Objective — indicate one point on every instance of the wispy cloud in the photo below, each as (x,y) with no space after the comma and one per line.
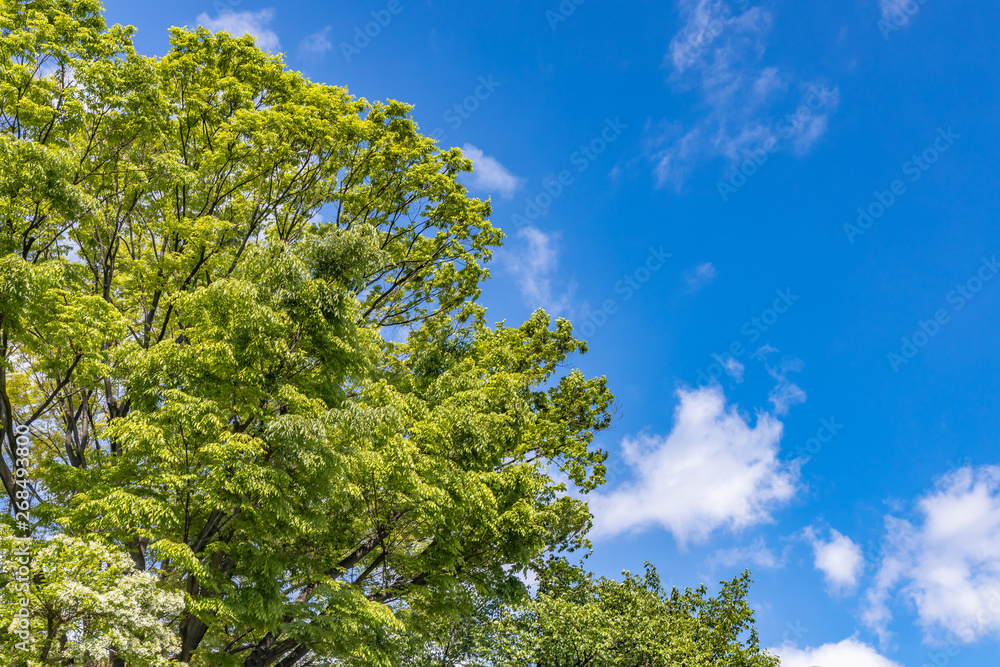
(534,262)
(896,10)
(786,393)
(241,23)
(714,471)
(316,45)
(490,175)
(733,368)
(945,560)
(757,554)
(763,352)
(744,104)
(700,276)
(838,558)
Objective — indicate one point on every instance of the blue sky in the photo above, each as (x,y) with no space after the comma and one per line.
(775,223)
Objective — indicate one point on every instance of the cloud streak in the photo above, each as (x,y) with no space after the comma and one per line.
(786,393)
(757,554)
(534,267)
(719,54)
(316,45)
(702,275)
(896,10)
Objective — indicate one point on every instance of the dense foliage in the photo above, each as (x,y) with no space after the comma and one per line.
(575,619)
(238,315)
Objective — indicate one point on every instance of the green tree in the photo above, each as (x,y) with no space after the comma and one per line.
(206,264)
(577,620)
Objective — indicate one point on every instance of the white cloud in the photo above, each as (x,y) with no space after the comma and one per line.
(490,175)
(757,554)
(945,560)
(241,23)
(746,107)
(848,652)
(701,276)
(839,559)
(713,471)
(535,267)
(317,44)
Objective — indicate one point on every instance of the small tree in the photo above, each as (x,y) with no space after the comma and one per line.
(84,602)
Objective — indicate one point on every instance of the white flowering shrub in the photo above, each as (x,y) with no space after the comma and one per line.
(63,599)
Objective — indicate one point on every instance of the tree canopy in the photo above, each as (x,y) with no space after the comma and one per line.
(238,314)
(576,619)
